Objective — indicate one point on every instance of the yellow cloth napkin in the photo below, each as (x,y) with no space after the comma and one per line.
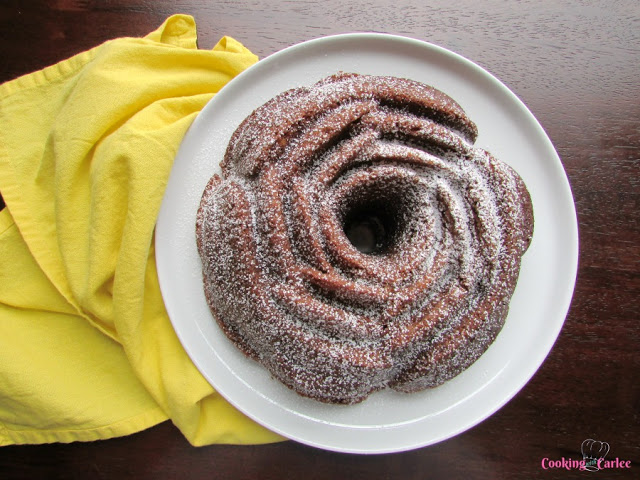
(86,146)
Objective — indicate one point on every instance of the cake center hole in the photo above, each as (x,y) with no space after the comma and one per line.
(368,231)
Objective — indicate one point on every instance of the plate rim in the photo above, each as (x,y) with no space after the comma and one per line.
(574,252)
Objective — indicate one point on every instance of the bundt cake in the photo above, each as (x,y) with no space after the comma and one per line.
(356,240)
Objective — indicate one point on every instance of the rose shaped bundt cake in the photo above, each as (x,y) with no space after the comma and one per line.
(357,240)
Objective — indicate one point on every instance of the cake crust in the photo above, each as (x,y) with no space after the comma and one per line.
(425,288)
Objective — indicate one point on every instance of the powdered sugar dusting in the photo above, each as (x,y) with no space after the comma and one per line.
(285,282)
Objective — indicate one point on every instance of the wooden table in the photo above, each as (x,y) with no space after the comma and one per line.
(577,67)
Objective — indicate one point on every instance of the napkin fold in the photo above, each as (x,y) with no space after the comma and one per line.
(87,350)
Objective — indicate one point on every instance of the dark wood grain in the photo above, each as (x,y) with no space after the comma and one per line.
(576,65)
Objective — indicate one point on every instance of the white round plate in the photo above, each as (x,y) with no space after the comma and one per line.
(387,421)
